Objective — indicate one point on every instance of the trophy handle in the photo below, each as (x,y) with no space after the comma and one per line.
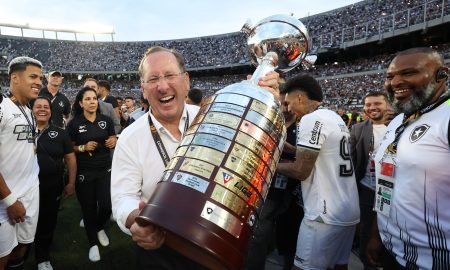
(267,64)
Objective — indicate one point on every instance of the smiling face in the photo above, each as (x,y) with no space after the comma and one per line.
(89,102)
(26,84)
(410,82)
(166,97)
(41,110)
(375,107)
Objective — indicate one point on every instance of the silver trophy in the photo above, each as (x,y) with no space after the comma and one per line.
(212,191)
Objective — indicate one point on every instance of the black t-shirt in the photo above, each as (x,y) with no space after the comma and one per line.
(82,131)
(52,144)
(345,118)
(60,106)
(111,100)
(276,193)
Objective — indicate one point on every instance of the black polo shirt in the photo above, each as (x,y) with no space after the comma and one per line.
(82,131)
(111,100)
(60,106)
(275,193)
(52,144)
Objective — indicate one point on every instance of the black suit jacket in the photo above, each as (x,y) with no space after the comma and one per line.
(360,140)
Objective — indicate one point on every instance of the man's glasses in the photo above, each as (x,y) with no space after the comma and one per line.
(154,80)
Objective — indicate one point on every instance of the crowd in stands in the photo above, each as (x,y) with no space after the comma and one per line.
(371,17)
(362,19)
(336,78)
(210,51)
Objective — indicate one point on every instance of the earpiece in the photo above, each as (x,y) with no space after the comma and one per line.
(441,74)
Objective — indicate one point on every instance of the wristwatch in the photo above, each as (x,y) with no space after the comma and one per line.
(81,148)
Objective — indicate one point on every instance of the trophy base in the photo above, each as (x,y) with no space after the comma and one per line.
(188,233)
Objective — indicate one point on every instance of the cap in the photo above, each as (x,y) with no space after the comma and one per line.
(51,73)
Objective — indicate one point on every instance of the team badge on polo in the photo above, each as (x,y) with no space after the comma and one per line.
(52,134)
(418,133)
(102,124)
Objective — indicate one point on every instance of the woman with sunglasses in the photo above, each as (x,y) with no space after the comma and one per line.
(53,149)
(93,137)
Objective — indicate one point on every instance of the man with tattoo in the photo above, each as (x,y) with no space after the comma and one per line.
(324,167)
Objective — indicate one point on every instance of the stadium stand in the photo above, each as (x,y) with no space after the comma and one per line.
(354,45)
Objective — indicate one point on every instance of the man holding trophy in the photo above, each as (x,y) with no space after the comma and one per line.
(195,206)
(137,166)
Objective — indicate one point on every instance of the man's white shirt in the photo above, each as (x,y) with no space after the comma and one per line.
(137,165)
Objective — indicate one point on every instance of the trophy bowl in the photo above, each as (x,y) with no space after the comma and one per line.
(213,189)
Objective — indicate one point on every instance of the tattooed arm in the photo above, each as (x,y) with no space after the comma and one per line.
(303,165)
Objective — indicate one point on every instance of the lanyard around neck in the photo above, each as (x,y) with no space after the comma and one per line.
(407,119)
(31,122)
(158,141)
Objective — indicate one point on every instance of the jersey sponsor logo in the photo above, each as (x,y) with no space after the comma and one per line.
(23,132)
(1,114)
(80,178)
(52,134)
(418,133)
(102,124)
(61,104)
(315,133)
(17,115)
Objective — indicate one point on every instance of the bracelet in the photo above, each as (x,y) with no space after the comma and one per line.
(81,148)
(9,200)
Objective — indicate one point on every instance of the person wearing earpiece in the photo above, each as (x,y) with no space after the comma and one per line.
(412,167)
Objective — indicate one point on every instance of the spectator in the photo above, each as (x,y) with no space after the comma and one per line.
(60,103)
(194,97)
(104,90)
(365,138)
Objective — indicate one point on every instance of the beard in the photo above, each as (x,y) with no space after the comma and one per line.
(419,98)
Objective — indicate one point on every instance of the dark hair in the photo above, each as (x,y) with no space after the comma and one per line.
(42,97)
(105,84)
(76,108)
(20,64)
(119,98)
(425,50)
(144,100)
(304,83)
(196,95)
(375,93)
(129,97)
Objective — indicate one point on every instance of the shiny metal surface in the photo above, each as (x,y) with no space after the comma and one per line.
(284,39)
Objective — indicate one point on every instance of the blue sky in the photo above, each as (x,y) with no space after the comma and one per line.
(135,20)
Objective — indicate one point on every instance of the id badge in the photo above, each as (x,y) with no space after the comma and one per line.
(281,181)
(383,196)
(385,185)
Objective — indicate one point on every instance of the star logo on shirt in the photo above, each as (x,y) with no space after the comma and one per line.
(418,133)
